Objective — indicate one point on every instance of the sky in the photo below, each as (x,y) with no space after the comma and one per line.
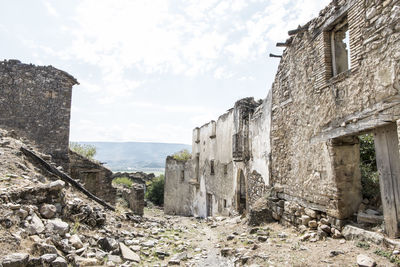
(152,70)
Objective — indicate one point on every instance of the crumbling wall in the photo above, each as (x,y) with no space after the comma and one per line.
(35,101)
(258,168)
(94,176)
(135,198)
(178,193)
(311,109)
(214,146)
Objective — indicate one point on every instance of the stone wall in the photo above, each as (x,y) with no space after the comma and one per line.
(35,101)
(229,167)
(313,113)
(178,193)
(94,177)
(135,198)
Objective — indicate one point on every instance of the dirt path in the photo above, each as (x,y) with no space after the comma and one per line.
(269,245)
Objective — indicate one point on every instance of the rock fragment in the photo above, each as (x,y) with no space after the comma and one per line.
(16,260)
(365,261)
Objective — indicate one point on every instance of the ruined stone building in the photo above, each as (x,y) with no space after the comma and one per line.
(338,78)
(229,168)
(35,102)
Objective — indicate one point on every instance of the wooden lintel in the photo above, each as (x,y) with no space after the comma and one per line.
(272,55)
(282,44)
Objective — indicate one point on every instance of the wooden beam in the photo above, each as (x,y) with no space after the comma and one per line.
(385,162)
(272,55)
(282,44)
(300,29)
(64,177)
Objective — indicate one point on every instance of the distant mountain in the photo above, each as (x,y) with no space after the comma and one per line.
(135,156)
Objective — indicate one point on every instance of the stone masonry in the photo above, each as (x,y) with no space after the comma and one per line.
(35,102)
(135,198)
(95,177)
(295,156)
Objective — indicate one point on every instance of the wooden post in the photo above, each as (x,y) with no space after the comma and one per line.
(388,163)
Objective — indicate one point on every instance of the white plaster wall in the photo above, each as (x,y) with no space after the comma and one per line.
(220,150)
(260,146)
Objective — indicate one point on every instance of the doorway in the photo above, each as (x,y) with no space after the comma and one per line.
(209,204)
(241,193)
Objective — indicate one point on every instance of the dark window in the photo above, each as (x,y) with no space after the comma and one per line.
(197,170)
(340,47)
(224,203)
(225,169)
(212,167)
(182,175)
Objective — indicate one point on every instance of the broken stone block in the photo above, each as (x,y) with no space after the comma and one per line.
(311,213)
(226,252)
(128,254)
(59,262)
(260,213)
(325,228)
(48,211)
(365,261)
(48,258)
(107,244)
(35,226)
(76,241)
(312,224)
(115,259)
(57,226)
(350,232)
(43,248)
(262,238)
(16,260)
(57,185)
(305,219)
(369,218)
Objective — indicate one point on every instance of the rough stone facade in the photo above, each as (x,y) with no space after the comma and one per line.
(177,187)
(317,116)
(229,164)
(35,102)
(298,152)
(135,198)
(95,177)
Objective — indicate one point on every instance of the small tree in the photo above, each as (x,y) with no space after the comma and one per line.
(182,155)
(368,168)
(87,151)
(155,191)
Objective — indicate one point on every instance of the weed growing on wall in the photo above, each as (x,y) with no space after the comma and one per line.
(124,181)
(182,155)
(87,151)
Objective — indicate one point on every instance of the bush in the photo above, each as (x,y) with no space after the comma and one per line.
(182,155)
(155,191)
(368,168)
(124,181)
(87,151)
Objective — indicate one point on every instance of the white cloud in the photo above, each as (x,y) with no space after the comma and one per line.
(50,8)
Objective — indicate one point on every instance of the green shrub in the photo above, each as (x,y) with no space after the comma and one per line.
(182,155)
(368,168)
(155,191)
(124,181)
(87,151)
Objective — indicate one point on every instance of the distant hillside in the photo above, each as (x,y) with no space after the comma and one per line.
(135,156)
